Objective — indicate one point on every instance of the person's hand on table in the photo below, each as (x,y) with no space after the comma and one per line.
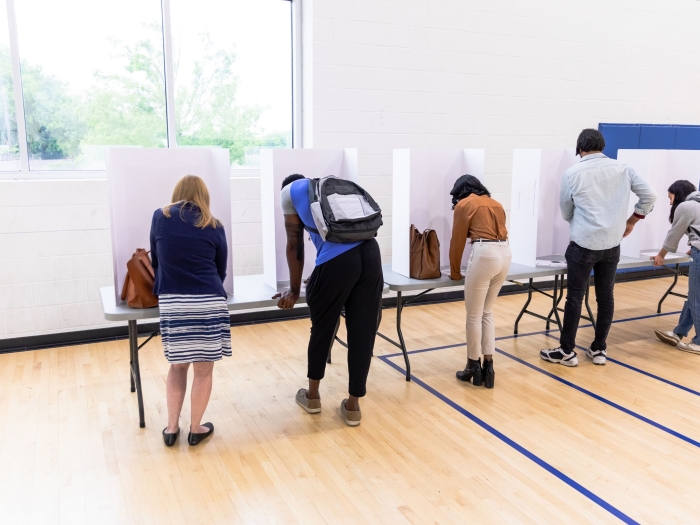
(658,259)
(287,299)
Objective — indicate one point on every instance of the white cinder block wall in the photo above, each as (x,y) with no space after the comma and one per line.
(384,74)
(493,74)
(55,250)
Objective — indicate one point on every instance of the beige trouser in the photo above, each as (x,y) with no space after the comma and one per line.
(488,267)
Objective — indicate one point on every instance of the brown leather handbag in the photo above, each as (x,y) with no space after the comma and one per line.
(425,254)
(138,285)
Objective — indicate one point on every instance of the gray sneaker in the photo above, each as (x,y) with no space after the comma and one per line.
(668,337)
(352,417)
(312,406)
(689,347)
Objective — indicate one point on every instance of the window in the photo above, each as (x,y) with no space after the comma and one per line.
(233,75)
(9,146)
(93,75)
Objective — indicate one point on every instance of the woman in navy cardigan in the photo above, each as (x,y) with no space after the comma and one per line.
(189,252)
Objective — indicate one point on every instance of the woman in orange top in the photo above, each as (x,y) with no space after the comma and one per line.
(483,220)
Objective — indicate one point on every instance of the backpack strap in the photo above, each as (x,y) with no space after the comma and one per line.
(312,198)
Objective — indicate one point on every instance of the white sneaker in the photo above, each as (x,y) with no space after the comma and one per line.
(557,355)
(689,347)
(598,356)
(668,337)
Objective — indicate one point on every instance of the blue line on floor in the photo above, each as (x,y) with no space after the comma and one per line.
(532,457)
(514,336)
(603,400)
(644,372)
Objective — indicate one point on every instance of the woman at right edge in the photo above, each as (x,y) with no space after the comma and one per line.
(685,220)
(483,220)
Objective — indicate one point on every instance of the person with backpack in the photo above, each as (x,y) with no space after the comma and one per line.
(483,220)
(342,220)
(685,220)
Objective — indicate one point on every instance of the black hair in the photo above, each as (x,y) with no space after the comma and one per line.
(291,178)
(680,191)
(465,186)
(590,140)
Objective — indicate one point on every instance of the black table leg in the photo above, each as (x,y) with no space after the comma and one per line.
(524,309)
(399,309)
(135,369)
(591,317)
(335,338)
(558,281)
(670,291)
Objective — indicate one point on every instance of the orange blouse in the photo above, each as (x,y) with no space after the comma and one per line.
(476,217)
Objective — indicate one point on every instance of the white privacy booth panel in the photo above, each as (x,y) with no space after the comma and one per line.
(537,228)
(422,183)
(275,166)
(660,168)
(141,180)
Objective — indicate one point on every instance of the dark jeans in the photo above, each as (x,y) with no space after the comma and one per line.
(353,280)
(580,261)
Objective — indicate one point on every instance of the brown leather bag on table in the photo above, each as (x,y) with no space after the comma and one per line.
(425,254)
(138,285)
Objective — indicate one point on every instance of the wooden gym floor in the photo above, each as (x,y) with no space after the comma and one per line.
(549,444)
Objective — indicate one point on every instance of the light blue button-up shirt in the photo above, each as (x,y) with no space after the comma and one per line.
(595,197)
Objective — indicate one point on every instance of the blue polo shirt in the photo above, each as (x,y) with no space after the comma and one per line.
(325,250)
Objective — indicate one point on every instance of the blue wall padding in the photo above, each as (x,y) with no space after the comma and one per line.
(657,136)
(687,137)
(648,136)
(619,136)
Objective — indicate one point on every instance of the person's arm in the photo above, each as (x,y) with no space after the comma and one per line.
(647,197)
(295,260)
(221,257)
(566,201)
(154,253)
(460,230)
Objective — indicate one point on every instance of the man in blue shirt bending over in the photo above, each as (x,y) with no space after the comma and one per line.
(346,275)
(594,199)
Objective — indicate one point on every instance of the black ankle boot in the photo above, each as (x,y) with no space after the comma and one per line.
(472,372)
(488,373)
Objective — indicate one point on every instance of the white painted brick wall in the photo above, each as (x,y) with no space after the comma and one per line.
(55,250)
(493,74)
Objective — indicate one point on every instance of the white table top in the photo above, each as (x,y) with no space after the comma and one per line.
(250,292)
(517,272)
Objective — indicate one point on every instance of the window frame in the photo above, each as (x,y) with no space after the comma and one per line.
(25,173)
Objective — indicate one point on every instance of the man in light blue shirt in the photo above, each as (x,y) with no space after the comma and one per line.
(594,200)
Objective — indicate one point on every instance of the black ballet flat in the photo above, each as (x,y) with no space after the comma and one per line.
(196,439)
(170,439)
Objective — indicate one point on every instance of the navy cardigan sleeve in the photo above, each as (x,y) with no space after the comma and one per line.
(154,253)
(221,254)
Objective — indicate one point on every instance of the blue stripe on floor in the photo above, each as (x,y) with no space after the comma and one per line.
(542,332)
(643,372)
(536,459)
(604,400)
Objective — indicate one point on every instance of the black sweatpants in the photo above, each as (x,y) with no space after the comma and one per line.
(352,280)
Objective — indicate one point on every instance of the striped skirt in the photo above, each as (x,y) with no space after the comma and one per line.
(194,328)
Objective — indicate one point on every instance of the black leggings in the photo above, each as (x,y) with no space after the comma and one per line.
(352,280)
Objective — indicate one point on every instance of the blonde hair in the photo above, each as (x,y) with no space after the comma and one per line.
(191,189)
